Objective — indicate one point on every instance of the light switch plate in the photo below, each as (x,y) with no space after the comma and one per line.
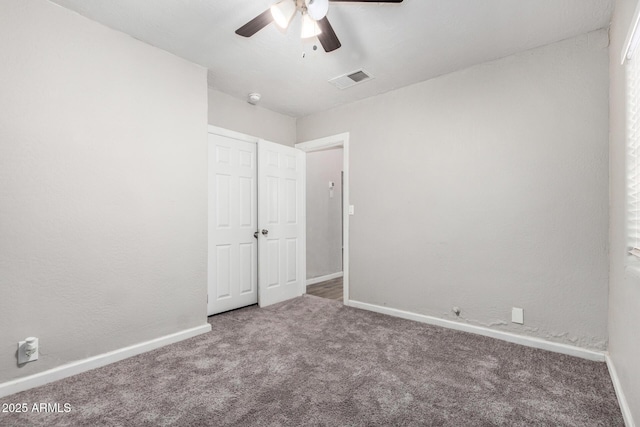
(352,209)
(517,315)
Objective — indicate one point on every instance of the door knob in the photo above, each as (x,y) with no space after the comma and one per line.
(255,235)
(265,232)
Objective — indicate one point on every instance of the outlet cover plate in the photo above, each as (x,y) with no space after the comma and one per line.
(517,315)
(22,357)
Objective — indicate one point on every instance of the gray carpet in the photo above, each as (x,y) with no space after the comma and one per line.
(312,361)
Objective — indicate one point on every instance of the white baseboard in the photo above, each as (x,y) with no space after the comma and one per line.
(319,279)
(480,330)
(79,366)
(622,400)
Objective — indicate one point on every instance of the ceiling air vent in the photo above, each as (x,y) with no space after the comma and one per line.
(350,79)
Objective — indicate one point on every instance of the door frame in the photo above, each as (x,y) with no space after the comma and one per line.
(336,141)
(231,134)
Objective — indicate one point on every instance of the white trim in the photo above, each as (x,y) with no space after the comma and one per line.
(323,143)
(633,36)
(324,278)
(345,216)
(480,330)
(303,218)
(79,366)
(622,400)
(232,134)
(334,141)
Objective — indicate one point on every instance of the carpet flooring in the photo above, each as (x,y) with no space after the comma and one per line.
(312,361)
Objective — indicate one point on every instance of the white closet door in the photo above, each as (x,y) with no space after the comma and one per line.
(281,213)
(232,255)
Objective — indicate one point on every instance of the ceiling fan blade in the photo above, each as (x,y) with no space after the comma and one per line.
(256,24)
(368,1)
(328,38)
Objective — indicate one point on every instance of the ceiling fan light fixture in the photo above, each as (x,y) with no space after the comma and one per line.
(317,9)
(310,28)
(282,12)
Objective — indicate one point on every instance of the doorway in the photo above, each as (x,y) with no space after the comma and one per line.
(327,230)
(324,223)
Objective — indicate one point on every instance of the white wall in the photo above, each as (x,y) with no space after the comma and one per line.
(103,194)
(486,189)
(324,213)
(624,285)
(234,114)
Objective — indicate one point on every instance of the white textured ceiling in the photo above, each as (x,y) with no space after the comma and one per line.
(399,44)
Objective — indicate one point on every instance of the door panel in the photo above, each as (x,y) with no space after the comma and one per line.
(232,254)
(247,275)
(281,213)
(223,270)
(292,265)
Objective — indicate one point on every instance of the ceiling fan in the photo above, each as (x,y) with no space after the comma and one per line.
(314,19)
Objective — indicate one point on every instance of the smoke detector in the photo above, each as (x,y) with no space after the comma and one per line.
(351,79)
(254,98)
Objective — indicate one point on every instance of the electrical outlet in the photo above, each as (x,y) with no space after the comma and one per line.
(28,350)
(517,315)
